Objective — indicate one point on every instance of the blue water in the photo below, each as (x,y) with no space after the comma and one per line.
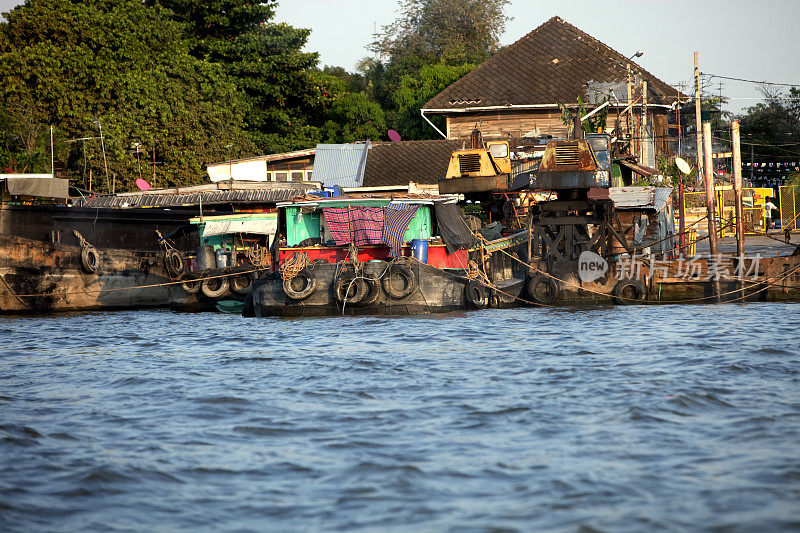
(676,418)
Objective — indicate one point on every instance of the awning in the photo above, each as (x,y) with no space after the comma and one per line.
(37,186)
(224,227)
(639,169)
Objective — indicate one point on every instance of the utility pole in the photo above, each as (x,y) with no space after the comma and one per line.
(678,118)
(710,201)
(698,125)
(737,189)
(645,135)
(630,108)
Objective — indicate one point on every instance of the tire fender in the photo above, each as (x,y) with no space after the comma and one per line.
(190,283)
(174,262)
(477,294)
(310,284)
(543,289)
(349,289)
(241,283)
(90,259)
(629,292)
(406,275)
(215,287)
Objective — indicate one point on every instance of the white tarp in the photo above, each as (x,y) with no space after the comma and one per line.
(261,226)
(241,170)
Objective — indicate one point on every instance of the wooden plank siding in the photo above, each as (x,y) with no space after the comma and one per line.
(502,124)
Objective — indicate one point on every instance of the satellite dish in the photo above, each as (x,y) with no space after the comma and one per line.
(143,185)
(393,136)
(683,165)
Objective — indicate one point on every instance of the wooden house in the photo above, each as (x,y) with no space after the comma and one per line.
(516,94)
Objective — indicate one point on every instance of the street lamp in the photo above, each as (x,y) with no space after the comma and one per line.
(638,53)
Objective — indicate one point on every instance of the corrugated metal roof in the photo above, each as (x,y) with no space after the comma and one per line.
(340,164)
(632,197)
(271,195)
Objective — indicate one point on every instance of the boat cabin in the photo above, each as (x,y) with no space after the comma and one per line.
(379,228)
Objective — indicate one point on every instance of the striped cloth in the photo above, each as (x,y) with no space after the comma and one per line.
(395,224)
(359,225)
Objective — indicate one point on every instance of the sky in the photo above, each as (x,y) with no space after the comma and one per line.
(735,38)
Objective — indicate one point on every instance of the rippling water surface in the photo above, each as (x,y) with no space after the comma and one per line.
(604,419)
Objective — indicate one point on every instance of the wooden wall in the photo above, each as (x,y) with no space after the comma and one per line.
(501,124)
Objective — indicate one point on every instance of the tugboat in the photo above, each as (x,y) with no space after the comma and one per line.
(383,254)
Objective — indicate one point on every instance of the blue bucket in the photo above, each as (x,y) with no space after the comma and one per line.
(419,249)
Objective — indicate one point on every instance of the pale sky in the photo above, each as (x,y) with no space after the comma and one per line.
(735,38)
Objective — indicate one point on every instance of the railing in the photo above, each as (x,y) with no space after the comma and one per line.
(694,204)
(789,206)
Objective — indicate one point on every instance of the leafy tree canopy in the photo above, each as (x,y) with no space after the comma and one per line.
(773,126)
(123,66)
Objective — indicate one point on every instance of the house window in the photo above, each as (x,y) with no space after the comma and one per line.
(297,176)
(308,176)
(281,176)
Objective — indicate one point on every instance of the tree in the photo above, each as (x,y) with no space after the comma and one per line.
(415,90)
(429,46)
(354,118)
(287,97)
(773,126)
(123,65)
(448,31)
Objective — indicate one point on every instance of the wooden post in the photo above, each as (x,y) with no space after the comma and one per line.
(645,136)
(698,115)
(737,189)
(90,180)
(710,200)
(630,109)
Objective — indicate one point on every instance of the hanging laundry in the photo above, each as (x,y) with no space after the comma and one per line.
(337,220)
(359,225)
(395,225)
(367,225)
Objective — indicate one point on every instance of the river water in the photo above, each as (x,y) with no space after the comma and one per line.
(678,418)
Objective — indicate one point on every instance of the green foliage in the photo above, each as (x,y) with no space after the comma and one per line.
(126,65)
(286,97)
(670,170)
(354,118)
(415,90)
(430,45)
(774,126)
(594,124)
(448,31)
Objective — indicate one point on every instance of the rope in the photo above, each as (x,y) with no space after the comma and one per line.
(164,284)
(82,242)
(292,266)
(769,282)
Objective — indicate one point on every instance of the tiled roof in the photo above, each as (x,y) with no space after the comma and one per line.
(552,64)
(398,163)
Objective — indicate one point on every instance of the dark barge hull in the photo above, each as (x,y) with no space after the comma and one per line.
(40,277)
(40,258)
(437,291)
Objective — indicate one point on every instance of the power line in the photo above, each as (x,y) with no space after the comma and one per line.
(751,81)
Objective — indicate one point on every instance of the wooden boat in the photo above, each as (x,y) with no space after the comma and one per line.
(317,273)
(125,251)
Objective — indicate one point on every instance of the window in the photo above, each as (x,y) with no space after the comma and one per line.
(297,176)
(498,150)
(281,176)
